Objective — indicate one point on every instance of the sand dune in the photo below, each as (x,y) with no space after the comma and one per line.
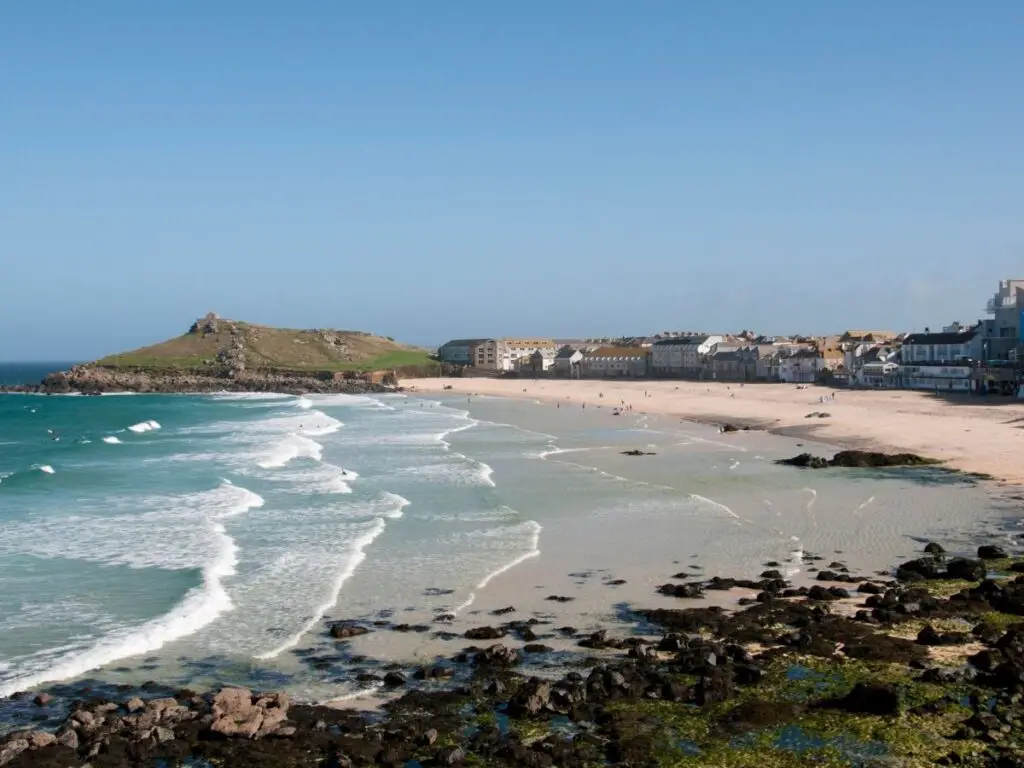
(971,434)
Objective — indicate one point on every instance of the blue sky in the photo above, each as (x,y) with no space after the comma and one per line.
(435,169)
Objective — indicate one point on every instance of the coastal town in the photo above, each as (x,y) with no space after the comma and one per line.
(983,357)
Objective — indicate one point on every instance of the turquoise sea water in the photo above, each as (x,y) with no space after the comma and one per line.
(197,539)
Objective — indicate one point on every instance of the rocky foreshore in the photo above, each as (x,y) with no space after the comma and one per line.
(93,380)
(923,669)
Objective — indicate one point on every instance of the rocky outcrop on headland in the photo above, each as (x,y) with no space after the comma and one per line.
(97,380)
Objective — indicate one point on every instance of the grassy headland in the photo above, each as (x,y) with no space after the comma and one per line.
(214,342)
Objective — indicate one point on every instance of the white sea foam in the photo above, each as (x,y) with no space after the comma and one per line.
(112,439)
(796,558)
(250,396)
(461,472)
(304,403)
(354,555)
(719,505)
(399,504)
(290,447)
(200,607)
(44,468)
(318,478)
(144,426)
(534,528)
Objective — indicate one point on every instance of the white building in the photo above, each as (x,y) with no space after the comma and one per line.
(947,348)
(876,375)
(505,354)
(567,362)
(801,367)
(1002,334)
(681,356)
(615,362)
(940,378)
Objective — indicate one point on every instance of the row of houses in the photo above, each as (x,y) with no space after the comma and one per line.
(983,356)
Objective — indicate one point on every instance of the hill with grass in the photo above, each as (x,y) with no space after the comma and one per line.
(230,355)
(214,342)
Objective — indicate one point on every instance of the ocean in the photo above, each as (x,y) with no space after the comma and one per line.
(196,540)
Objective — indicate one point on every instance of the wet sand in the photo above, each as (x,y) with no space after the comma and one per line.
(970,434)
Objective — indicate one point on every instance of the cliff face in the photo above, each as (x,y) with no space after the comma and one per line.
(96,380)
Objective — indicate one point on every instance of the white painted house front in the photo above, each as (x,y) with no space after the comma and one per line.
(940,347)
(801,367)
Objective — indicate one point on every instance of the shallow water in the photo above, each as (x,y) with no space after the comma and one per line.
(196,540)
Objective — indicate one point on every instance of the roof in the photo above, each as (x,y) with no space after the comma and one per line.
(565,353)
(805,353)
(939,338)
(462,343)
(623,352)
(528,342)
(687,340)
(862,335)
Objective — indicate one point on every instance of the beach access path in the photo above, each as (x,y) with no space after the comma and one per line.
(972,434)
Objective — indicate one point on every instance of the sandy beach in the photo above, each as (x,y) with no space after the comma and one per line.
(985,436)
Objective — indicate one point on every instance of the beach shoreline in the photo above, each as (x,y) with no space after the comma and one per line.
(983,438)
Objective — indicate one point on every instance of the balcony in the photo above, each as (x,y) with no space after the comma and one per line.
(1000,302)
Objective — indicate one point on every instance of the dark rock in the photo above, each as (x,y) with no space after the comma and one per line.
(498,656)
(871,699)
(531,699)
(929,636)
(681,590)
(804,461)
(991,552)
(341,630)
(560,599)
(934,549)
(868,588)
(394,680)
(966,569)
(858,459)
(484,633)
(923,567)
(42,699)
(434,673)
(536,648)
(820,593)
(450,756)
(503,611)
(773,574)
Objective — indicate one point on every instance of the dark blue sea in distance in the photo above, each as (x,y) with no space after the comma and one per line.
(28,373)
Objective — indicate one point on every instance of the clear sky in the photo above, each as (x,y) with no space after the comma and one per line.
(462,168)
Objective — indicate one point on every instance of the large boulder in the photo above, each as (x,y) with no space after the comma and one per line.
(498,655)
(923,567)
(992,552)
(966,569)
(235,714)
